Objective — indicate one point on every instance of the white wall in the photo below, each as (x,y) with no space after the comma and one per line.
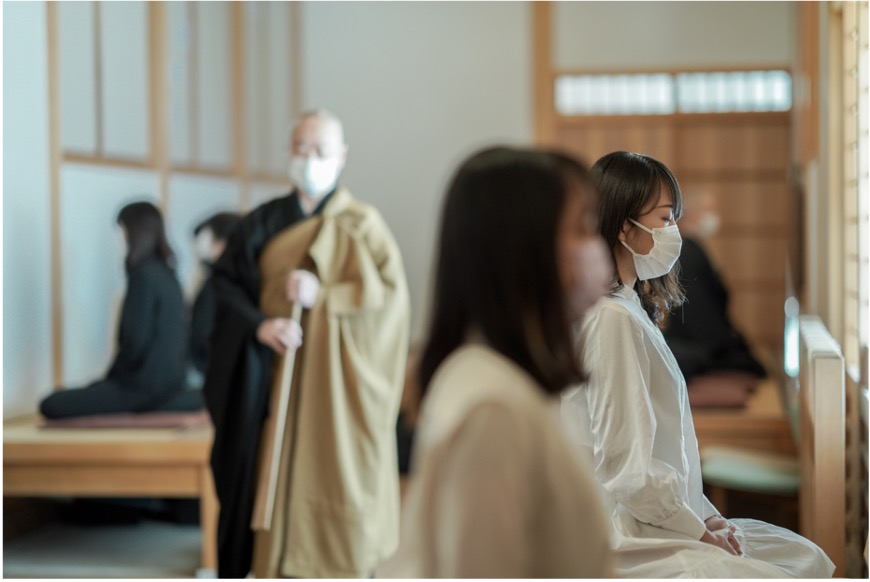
(27,357)
(666,35)
(419,86)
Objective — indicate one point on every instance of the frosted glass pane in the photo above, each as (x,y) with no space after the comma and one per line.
(215,91)
(564,104)
(78,92)
(124,57)
(663,94)
(180,37)
(280,59)
(193,199)
(756,88)
(255,114)
(92,262)
(781,91)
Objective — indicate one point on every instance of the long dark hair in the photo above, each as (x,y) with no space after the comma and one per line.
(628,185)
(146,236)
(496,270)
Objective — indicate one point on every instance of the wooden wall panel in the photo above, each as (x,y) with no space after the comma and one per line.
(590,141)
(732,146)
(742,203)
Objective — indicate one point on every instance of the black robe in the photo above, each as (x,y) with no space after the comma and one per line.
(700,333)
(202,317)
(238,380)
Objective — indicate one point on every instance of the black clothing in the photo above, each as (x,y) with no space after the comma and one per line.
(700,333)
(238,378)
(201,323)
(149,368)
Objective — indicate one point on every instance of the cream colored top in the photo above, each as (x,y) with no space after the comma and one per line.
(497,491)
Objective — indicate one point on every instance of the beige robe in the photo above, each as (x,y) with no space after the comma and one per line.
(337,502)
(497,491)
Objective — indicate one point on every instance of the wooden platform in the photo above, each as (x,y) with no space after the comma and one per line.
(128,462)
(762,426)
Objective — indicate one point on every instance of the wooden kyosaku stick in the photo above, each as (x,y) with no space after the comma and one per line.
(272,439)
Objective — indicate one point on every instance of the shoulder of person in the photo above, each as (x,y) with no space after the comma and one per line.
(477,373)
(611,314)
(361,219)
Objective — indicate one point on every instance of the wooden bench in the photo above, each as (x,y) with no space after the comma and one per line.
(127,462)
(763,425)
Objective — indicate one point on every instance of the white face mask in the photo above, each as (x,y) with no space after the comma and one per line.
(314,176)
(709,225)
(662,257)
(203,246)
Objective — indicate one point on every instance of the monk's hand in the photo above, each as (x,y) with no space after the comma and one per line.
(280,334)
(723,538)
(302,287)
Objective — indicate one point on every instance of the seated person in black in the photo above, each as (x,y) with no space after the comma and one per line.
(148,371)
(700,332)
(210,238)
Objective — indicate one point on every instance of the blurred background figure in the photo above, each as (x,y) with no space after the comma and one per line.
(715,358)
(148,371)
(210,238)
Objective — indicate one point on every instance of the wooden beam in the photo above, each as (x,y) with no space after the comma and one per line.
(542,72)
(159,97)
(54,152)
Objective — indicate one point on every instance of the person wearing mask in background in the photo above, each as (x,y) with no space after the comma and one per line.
(210,238)
(149,368)
(496,490)
(336,508)
(700,332)
(633,414)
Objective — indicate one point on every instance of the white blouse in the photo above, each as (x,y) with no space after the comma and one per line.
(634,417)
(497,491)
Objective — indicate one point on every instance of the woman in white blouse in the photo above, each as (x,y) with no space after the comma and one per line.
(496,490)
(633,414)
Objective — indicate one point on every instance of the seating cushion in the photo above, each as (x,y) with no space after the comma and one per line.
(745,470)
(717,392)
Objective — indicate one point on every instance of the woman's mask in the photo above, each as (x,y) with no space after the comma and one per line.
(662,257)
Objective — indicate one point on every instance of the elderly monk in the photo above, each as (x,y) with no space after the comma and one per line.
(336,506)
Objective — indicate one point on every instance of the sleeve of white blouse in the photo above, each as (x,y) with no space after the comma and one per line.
(623,424)
(709,509)
(482,519)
